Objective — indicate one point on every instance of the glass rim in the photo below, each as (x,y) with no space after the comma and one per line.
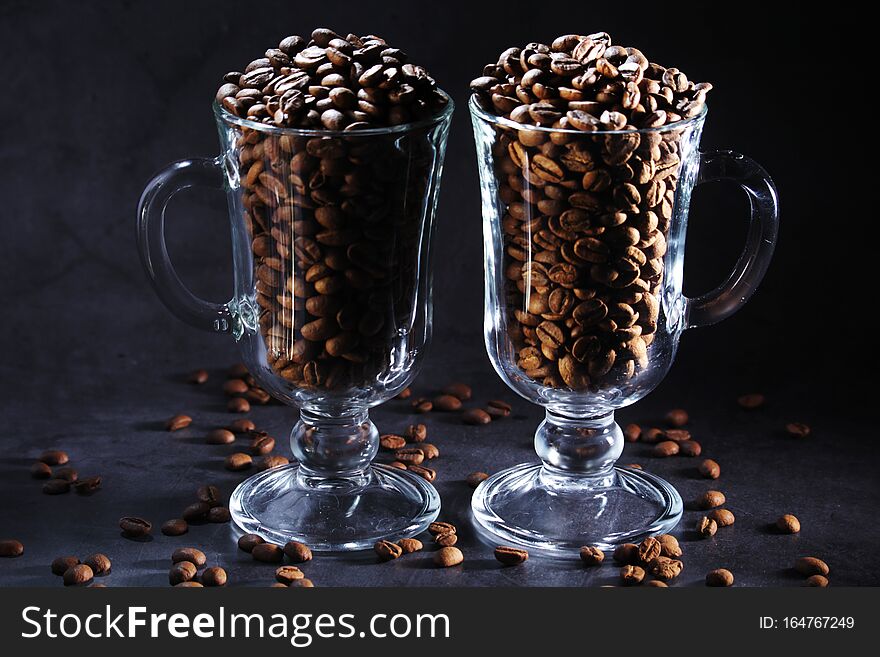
(221,114)
(495,119)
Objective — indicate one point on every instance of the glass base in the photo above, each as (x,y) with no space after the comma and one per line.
(555,513)
(334,514)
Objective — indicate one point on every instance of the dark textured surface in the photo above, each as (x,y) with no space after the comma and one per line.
(93,363)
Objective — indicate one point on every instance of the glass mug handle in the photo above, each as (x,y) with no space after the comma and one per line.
(729,297)
(174,294)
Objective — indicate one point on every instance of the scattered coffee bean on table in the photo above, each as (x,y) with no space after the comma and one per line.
(690,448)
(248,542)
(797,430)
(447,557)
(586,216)
(56,487)
(406,393)
(632,575)
(416,433)
(196,512)
(428,474)
(511,556)
(811,566)
(134,527)
(719,577)
(722,517)
(304,583)
(78,575)
(235,387)
(99,563)
(237,371)
(198,377)
(238,405)
(816,580)
(652,435)
(591,555)
(677,418)
(410,545)
(669,546)
(191,554)
(387,550)
(242,425)
(476,416)
(272,461)
(788,524)
(751,401)
(11,548)
(665,448)
(626,553)
(440,527)
(664,568)
(178,422)
(267,552)
(391,442)
(632,433)
(460,391)
(262,445)
(649,549)
(54,457)
(430,451)
(68,474)
(88,485)
(710,469)
(498,409)
(182,571)
(218,514)
(238,462)
(62,564)
(288,574)
(474,479)
(214,576)
(656,583)
(711,499)
(40,470)
(175,527)
(209,494)
(189,585)
(447,539)
(446,403)
(706,527)
(422,405)
(220,437)
(297,552)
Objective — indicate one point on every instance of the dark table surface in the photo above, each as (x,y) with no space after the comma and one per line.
(93,364)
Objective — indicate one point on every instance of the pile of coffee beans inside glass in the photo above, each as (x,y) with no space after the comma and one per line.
(334,210)
(589,159)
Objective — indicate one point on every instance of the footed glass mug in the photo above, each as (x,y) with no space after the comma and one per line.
(584,236)
(331,240)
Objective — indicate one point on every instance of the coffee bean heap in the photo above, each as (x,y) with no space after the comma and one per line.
(586,216)
(335,220)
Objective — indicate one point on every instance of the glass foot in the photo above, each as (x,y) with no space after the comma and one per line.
(327,514)
(556,513)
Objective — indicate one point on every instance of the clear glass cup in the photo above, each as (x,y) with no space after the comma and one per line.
(331,236)
(584,236)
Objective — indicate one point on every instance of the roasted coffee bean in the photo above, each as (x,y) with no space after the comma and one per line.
(719,577)
(196,512)
(214,576)
(669,546)
(248,542)
(652,435)
(474,479)
(677,435)
(460,391)
(690,448)
(706,527)
(191,554)
(220,437)
(416,433)
(410,455)
(177,423)
(811,566)
(88,485)
(722,517)
(238,462)
(272,461)
(387,550)
(817,581)
(446,539)
(237,371)
(189,585)
(447,557)
(476,416)
(410,545)
(664,568)
(406,393)
(198,377)
(54,457)
(656,583)
(430,451)
(632,433)
(511,556)
(62,564)
(262,445)
(78,575)
(398,465)
(134,527)
(422,405)
(67,474)
(56,487)
(677,417)
(210,495)
(267,552)
(99,563)
(425,473)
(797,430)
(665,448)
(632,575)
(219,514)
(751,401)
(591,555)
(11,548)
(626,553)
(788,524)
(711,499)
(40,470)
(235,387)
(392,442)
(710,469)
(304,583)
(242,425)
(175,527)
(649,549)
(288,574)
(181,572)
(498,409)
(446,403)
(238,405)
(297,552)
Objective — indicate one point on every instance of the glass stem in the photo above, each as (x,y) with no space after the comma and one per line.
(576,445)
(334,445)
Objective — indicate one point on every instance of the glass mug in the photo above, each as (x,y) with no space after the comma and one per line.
(331,236)
(584,236)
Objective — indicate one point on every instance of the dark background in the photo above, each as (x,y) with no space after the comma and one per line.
(98,96)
